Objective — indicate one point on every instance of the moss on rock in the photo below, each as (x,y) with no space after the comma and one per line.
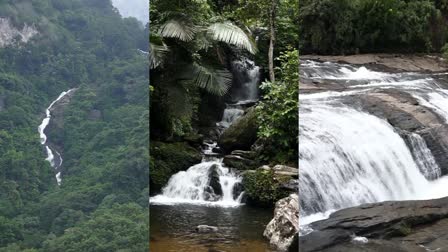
(168,159)
(263,188)
(241,134)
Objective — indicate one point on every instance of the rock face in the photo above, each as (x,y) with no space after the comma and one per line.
(241,134)
(284,227)
(213,175)
(10,35)
(55,129)
(237,190)
(389,226)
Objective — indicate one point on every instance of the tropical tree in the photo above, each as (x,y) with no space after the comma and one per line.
(200,38)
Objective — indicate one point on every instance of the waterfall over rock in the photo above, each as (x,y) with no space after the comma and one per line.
(364,136)
(348,157)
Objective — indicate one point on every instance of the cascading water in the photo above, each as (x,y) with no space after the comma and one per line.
(55,162)
(246,78)
(348,157)
(193,186)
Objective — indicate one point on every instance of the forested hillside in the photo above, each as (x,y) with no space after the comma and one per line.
(363,26)
(102,203)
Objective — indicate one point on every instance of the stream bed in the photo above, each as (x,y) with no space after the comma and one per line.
(240,229)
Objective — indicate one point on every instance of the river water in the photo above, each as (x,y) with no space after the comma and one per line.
(348,156)
(240,228)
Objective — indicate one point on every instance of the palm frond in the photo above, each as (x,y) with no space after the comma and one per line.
(214,81)
(156,54)
(231,34)
(180,27)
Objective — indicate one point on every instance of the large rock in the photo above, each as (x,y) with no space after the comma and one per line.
(241,134)
(239,163)
(168,159)
(284,227)
(407,224)
(213,175)
(237,189)
(286,171)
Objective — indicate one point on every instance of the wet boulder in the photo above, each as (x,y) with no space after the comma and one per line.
(283,229)
(213,174)
(237,189)
(241,134)
(286,171)
(239,163)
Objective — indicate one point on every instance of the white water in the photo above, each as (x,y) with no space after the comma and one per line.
(231,114)
(43,138)
(192,186)
(423,157)
(348,157)
(247,75)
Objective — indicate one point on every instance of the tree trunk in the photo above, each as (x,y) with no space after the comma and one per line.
(272,40)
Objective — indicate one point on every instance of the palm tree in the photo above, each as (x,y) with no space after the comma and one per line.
(200,38)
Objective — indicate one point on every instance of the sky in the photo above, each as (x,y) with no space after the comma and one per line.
(133,8)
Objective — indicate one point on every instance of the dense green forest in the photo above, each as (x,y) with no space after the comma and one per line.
(192,44)
(363,26)
(102,203)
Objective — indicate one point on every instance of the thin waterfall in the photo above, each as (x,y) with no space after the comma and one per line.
(423,157)
(43,138)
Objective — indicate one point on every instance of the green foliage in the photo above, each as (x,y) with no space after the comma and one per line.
(342,26)
(189,56)
(262,188)
(104,137)
(278,111)
(118,228)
